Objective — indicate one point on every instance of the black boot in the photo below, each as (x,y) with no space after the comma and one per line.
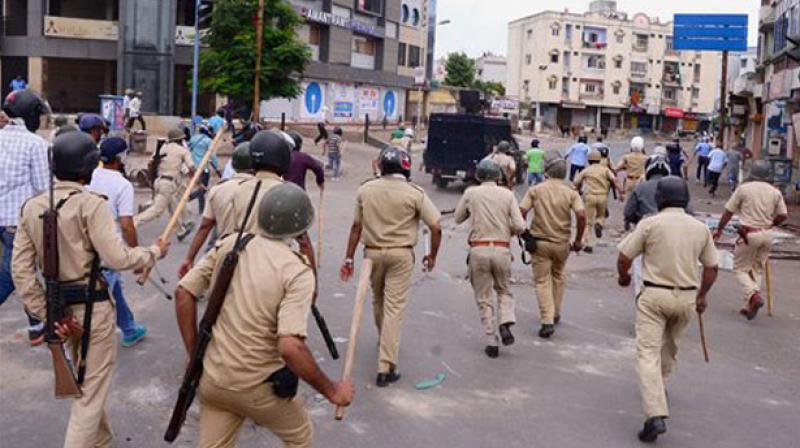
(546,331)
(598,230)
(492,351)
(652,428)
(505,334)
(384,379)
(557,319)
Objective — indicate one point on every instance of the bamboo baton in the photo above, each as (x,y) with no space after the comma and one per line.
(173,221)
(320,227)
(355,326)
(768,277)
(703,336)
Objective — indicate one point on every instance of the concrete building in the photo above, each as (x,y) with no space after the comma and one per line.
(602,69)
(492,67)
(365,53)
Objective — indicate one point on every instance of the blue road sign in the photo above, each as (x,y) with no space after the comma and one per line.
(710,32)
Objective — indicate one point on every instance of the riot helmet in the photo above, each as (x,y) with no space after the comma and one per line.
(656,165)
(285,212)
(240,159)
(298,140)
(27,105)
(394,160)
(75,156)
(672,191)
(761,170)
(488,170)
(504,147)
(555,167)
(271,151)
(595,156)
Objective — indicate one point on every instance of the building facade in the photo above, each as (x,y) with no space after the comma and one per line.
(492,67)
(364,54)
(604,70)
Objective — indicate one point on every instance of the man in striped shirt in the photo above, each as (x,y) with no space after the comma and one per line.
(24,173)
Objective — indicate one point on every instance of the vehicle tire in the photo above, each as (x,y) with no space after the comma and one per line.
(440,181)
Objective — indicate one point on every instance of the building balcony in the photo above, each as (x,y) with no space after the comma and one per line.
(766,16)
(672,102)
(671,81)
(599,95)
(640,48)
(72,28)
(599,46)
(638,75)
(365,61)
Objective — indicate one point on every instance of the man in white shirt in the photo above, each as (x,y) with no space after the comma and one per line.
(717,159)
(111,183)
(135,112)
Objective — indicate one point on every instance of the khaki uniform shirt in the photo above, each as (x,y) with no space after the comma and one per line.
(596,180)
(494,213)
(506,163)
(220,198)
(671,243)
(633,163)
(389,209)
(85,225)
(243,193)
(758,203)
(269,297)
(553,202)
(174,156)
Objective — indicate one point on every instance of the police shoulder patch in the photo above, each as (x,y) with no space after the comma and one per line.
(100,195)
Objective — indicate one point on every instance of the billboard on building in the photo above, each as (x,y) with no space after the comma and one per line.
(343,101)
(390,104)
(710,32)
(313,100)
(368,100)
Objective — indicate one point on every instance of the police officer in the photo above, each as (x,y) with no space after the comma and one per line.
(86,229)
(387,214)
(502,156)
(553,202)
(760,207)
(261,330)
(671,243)
(642,203)
(494,218)
(599,181)
(174,156)
(633,164)
(219,213)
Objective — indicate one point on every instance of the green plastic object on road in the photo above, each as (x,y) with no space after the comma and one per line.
(429,384)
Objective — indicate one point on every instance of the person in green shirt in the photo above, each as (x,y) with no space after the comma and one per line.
(535,159)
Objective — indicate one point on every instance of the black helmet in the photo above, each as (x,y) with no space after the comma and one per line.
(603,151)
(583,139)
(535,143)
(27,105)
(656,165)
(394,160)
(298,140)
(504,147)
(488,170)
(285,211)
(672,191)
(75,156)
(240,159)
(337,130)
(271,151)
(761,170)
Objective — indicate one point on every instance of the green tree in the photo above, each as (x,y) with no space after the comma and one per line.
(227,67)
(490,88)
(460,70)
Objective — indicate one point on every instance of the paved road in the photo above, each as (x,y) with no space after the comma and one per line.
(576,390)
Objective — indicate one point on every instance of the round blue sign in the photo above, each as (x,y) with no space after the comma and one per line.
(389,103)
(313,98)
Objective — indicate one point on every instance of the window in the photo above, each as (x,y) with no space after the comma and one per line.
(781,28)
(590,88)
(620,38)
(565,86)
(618,63)
(638,68)
(697,73)
(370,6)
(526,85)
(530,34)
(597,62)
(554,58)
(555,31)
(640,43)
(314,34)
(567,60)
(415,17)
(364,45)
(695,93)
(615,88)
(669,94)
(670,42)
(405,13)
(568,32)
(414,56)
(401,54)
(743,63)
(553,84)
(528,59)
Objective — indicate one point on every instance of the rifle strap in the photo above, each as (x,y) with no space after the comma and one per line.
(87,317)
(523,253)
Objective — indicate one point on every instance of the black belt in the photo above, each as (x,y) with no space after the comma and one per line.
(388,248)
(679,288)
(76,294)
(167,177)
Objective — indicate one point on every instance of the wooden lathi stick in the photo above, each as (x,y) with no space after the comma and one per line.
(176,215)
(768,278)
(355,326)
(320,227)
(703,336)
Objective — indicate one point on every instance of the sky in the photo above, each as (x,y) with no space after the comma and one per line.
(478,26)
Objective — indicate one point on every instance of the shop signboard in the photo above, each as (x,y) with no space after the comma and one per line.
(368,101)
(313,100)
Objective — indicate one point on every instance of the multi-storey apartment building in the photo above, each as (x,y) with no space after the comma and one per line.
(604,70)
(492,68)
(364,54)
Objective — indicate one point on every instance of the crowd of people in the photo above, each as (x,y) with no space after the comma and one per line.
(261,214)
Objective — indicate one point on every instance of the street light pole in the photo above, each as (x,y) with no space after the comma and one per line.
(259,44)
(424,77)
(196,58)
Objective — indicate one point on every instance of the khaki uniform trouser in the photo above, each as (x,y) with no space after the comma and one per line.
(630,185)
(391,277)
(661,319)
(595,212)
(88,421)
(549,278)
(489,271)
(749,259)
(166,198)
(223,411)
